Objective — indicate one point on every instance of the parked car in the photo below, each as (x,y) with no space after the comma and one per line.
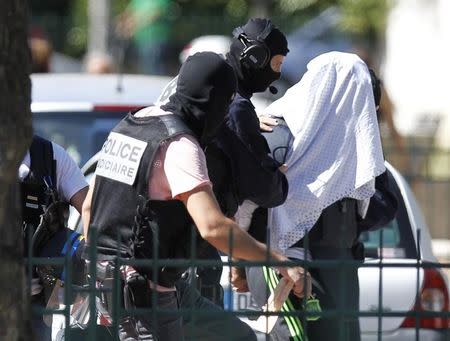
(215,43)
(78,110)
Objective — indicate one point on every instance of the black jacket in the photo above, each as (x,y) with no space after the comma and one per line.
(246,168)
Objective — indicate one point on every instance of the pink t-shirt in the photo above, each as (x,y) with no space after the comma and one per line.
(179,165)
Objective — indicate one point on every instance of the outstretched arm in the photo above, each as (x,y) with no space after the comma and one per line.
(86,209)
(224,234)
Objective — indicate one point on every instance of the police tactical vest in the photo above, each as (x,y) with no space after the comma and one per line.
(122,174)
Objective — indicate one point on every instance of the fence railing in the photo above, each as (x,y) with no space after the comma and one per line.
(83,308)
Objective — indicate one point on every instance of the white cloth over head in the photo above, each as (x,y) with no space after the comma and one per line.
(336,152)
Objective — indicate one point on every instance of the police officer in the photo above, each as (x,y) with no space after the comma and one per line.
(49,181)
(152,176)
(256,54)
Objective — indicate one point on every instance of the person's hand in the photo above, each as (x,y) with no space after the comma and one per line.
(266,123)
(283,168)
(300,277)
(239,279)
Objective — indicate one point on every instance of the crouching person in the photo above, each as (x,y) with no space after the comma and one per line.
(152,192)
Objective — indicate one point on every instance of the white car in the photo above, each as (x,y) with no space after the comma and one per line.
(215,43)
(78,110)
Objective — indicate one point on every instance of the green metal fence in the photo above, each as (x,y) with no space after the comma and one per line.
(94,293)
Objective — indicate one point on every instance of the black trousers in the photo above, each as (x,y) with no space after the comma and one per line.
(150,325)
(334,237)
(212,322)
(208,277)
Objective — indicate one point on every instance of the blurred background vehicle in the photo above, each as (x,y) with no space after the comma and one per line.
(216,43)
(77,111)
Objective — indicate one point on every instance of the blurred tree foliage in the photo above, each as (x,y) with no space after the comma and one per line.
(191,18)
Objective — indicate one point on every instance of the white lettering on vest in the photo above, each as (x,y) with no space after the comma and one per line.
(120,158)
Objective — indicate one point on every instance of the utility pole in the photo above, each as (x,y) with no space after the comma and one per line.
(15,137)
(260,8)
(99,23)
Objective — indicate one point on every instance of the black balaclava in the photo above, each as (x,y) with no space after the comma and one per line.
(257,80)
(205,88)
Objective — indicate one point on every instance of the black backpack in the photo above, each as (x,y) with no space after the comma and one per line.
(34,187)
(42,163)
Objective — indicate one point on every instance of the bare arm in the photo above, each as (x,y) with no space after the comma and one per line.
(266,123)
(217,229)
(86,210)
(78,199)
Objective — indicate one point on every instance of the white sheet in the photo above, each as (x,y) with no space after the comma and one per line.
(337,150)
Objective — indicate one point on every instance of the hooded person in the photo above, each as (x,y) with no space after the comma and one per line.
(331,146)
(151,193)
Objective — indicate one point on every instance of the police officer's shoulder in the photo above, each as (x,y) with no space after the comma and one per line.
(176,125)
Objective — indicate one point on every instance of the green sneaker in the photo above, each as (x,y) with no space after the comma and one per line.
(313,306)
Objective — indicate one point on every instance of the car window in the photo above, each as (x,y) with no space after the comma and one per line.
(396,238)
(80,133)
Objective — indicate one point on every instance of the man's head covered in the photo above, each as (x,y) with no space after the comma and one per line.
(205,88)
(256,54)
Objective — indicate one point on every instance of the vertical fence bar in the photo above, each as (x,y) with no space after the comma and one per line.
(68,281)
(380,288)
(418,296)
(155,264)
(92,324)
(193,278)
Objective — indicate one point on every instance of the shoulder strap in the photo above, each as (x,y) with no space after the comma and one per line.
(42,163)
(279,140)
(175,125)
